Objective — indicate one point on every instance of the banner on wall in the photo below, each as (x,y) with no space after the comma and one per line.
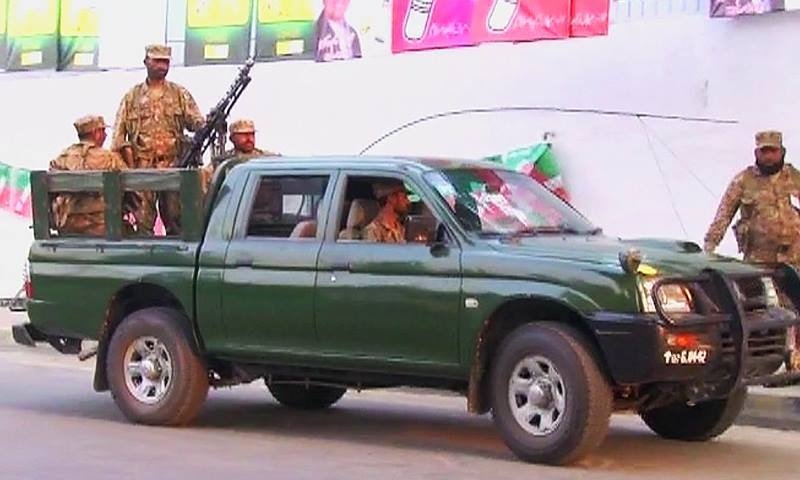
(32,34)
(79,35)
(735,8)
(538,162)
(589,18)
(427,24)
(217,31)
(520,20)
(285,29)
(3,10)
(15,190)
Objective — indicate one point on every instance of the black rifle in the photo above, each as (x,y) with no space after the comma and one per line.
(214,130)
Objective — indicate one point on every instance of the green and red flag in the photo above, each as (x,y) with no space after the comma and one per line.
(538,162)
(15,190)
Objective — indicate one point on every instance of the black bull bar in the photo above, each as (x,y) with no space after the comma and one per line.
(730,308)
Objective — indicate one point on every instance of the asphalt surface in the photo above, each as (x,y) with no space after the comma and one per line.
(52,425)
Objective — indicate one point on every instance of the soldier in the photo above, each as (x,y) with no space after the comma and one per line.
(84,213)
(387,226)
(149,130)
(767,195)
(243,137)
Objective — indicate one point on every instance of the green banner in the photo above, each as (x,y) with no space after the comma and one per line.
(3,50)
(79,31)
(32,34)
(15,190)
(217,31)
(285,29)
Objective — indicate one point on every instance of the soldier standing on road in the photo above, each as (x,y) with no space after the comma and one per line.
(767,195)
(84,213)
(149,129)
(243,137)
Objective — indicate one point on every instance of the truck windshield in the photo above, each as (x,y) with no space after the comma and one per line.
(496,202)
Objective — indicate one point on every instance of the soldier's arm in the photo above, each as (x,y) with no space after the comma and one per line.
(120,137)
(722,220)
(192,117)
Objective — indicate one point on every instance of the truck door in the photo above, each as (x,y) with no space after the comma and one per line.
(270,264)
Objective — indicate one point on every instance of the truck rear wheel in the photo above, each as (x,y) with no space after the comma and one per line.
(550,401)
(696,423)
(311,397)
(154,375)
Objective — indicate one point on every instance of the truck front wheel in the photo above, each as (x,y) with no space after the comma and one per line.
(154,375)
(305,397)
(550,400)
(696,423)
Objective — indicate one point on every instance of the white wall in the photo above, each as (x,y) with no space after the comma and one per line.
(633,177)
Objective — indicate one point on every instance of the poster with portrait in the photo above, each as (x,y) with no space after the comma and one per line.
(520,20)
(735,8)
(79,35)
(32,34)
(428,24)
(217,31)
(323,30)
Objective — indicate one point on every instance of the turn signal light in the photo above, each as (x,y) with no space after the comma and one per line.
(683,340)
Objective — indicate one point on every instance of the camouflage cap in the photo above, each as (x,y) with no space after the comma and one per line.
(242,126)
(89,123)
(158,52)
(383,190)
(769,138)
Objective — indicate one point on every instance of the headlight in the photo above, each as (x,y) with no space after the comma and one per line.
(673,297)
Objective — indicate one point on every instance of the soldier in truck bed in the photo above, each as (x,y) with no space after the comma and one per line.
(84,213)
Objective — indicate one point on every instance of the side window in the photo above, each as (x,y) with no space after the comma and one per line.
(384,210)
(287,207)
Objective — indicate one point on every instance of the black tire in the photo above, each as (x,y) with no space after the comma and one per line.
(696,423)
(313,397)
(185,389)
(587,395)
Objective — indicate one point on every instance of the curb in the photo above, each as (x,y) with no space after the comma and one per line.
(5,335)
(777,411)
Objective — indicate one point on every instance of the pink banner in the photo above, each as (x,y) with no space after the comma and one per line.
(589,18)
(520,20)
(427,24)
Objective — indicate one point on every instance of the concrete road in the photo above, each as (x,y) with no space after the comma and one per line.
(53,426)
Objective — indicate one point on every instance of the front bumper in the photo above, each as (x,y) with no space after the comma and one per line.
(735,346)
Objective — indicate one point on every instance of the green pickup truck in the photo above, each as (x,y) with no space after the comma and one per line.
(500,292)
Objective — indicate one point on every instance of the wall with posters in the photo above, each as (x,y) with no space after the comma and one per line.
(633,176)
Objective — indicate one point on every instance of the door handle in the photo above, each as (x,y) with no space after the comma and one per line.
(341,266)
(243,262)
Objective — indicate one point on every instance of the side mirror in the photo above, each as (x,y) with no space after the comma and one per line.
(439,241)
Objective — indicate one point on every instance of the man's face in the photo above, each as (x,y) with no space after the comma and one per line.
(157,68)
(400,203)
(769,156)
(99,137)
(335,9)
(244,142)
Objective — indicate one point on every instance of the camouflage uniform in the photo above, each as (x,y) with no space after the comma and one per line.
(83,213)
(239,126)
(379,232)
(769,228)
(152,121)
